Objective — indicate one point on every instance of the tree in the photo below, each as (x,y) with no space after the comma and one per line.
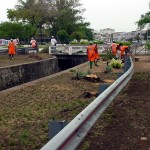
(52,15)
(10,30)
(77,35)
(63,36)
(144,20)
(86,31)
(67,16)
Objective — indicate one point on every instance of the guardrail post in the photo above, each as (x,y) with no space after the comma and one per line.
(55,127)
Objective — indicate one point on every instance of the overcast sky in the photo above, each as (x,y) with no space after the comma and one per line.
(120,15)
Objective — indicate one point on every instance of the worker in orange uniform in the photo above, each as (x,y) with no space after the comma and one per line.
(91,54)
(114,48)
(97,56)
(11,49)
(122,49)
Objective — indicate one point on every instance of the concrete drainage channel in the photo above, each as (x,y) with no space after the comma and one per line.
(15,75)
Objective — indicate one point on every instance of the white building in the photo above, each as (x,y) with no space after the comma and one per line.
(106,34)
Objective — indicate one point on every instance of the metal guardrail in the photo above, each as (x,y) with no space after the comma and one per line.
(73,134)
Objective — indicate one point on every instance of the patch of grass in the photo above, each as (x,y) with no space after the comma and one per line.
(85,145)
(24,136)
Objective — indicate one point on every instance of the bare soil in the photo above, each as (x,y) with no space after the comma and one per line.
(127,120)
(26,111)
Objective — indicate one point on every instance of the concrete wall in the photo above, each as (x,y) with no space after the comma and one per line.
(18,74)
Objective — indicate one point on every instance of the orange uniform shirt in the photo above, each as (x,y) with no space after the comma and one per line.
(11,48)
(96,51)
(123,49)
(114,48)
(91,53)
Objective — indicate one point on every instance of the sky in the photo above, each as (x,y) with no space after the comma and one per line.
(120,15)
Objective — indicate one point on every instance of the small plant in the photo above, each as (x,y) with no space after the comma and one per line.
(116,63)
(45,49)
(79,74)
(108,69)
(108,55)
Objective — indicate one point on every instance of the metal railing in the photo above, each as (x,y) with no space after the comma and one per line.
(22,51)
(72,135)
(69,49)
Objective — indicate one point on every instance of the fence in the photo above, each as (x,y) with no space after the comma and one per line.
(22,51)
(140,50)
(73,134)
(71,49)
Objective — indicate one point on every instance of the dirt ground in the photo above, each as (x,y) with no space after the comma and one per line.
(127,120)
(26,110)
(20,59)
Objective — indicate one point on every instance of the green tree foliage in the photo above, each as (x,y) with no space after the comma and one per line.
(144,20)
(10,30)
(53,15)
(86,31)
(63,36)
(78,35)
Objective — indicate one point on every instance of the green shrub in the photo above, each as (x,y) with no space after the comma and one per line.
(78,74)
(108,55)
(45,49)
(84,42)
(99,42)
(116,63)
(108,69)
(73,42)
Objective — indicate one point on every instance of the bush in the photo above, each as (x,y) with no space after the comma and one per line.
(108,69)
(116,63)
(73,42)
(84,42)
(99,42)
(108,55)
(45,49)
(77,74)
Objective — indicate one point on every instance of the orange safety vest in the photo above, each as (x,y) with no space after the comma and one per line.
(91,53)
(114,48)
(123,48)
(12,48)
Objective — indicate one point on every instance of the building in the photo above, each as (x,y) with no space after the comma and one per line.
(106,34)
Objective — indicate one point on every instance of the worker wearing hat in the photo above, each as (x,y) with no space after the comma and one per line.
(91,54)
(11,49)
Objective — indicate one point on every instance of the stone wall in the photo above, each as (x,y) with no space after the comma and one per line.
(19,74)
